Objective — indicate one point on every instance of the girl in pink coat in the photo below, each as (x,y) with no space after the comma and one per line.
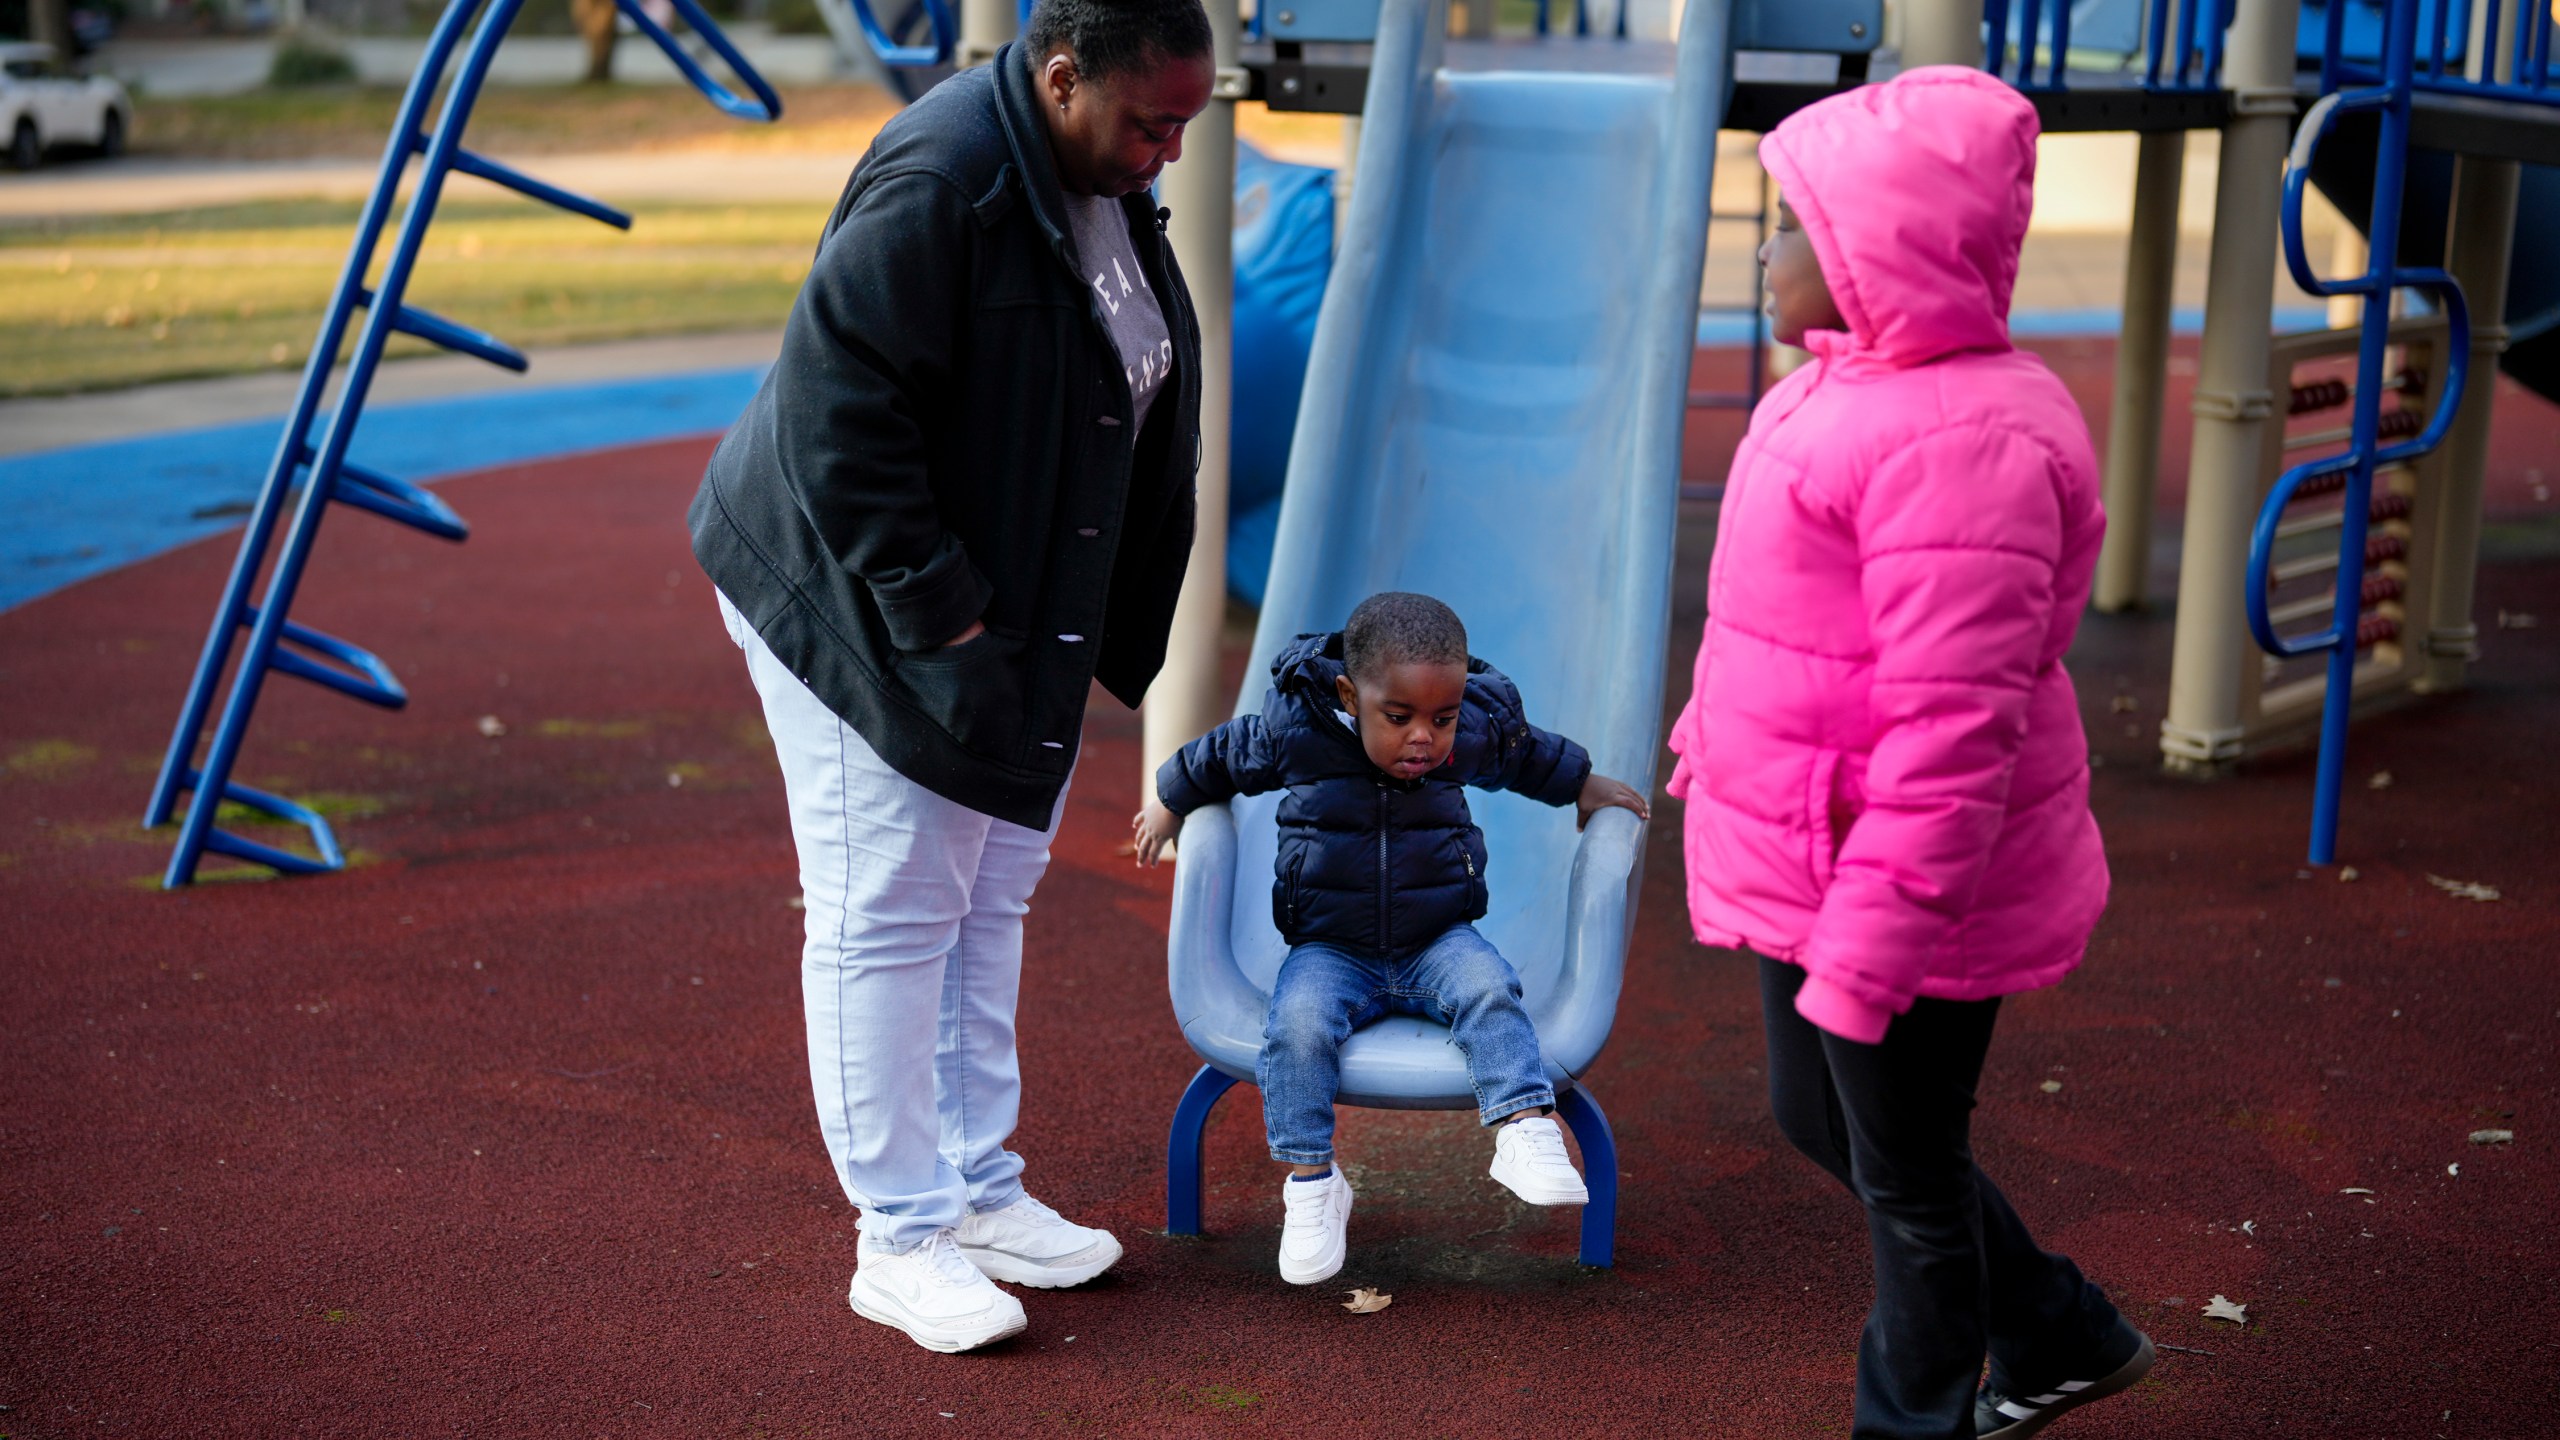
(1886,780)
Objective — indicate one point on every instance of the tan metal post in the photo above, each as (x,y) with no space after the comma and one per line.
(2142,362)
(984,27)
(1187,698)
(2232,404)
(1941,32)
(2480,235)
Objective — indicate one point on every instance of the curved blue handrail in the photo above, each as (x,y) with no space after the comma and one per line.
(766,106)
(946,36)
(2342,639)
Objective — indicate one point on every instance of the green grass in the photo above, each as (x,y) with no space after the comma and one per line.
(111,301)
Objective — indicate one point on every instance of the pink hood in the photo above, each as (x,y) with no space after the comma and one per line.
(1882,756)
(1916,195)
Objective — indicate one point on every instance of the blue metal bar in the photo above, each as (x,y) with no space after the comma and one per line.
(2188,17)
(2061,40)
(2343,637)
(483,168)
(946,37)
(765,107)
(323,839)
(1599,1171)
(2155,42)
(394,499)
(436,330)
(1185,1158)
(1995,35)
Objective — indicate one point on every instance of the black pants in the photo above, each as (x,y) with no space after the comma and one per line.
(1956,1271)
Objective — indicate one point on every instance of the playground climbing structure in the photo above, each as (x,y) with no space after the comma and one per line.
(311,472)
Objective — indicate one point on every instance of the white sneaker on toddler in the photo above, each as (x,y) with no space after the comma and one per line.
(1027,1243)
(934,1294)
(1313,1236)
(1529,1159)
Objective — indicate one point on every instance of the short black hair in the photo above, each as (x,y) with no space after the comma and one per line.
(1397,627)
(1112,37)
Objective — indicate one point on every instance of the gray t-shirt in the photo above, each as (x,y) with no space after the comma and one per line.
(1111,267)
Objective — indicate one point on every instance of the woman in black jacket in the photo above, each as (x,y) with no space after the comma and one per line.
(963,495)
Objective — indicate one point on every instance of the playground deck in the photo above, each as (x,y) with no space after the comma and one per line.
(505,1130)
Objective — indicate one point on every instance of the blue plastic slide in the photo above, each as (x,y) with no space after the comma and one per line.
(1492,415)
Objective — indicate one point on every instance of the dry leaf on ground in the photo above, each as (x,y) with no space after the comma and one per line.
(1365,1301)
(2051,1087)
(2378,780)
(492,726)
(2222,1307)
(2493,1137)
(2517,620)
(2464,889)
(2355,1190)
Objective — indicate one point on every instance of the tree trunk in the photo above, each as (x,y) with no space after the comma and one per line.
(49,23)
(598,21)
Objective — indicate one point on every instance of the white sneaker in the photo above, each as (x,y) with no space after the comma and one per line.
(934,1294)
(1529,1158)
(1027,1243)
(1312,1241)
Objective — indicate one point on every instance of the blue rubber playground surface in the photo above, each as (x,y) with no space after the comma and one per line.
(88,509)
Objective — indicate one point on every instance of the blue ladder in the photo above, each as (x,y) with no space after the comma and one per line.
(320,470)
(2349,474)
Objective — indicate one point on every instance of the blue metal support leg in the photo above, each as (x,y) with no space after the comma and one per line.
(1599,1172)
(1184,1161)
(2345,636)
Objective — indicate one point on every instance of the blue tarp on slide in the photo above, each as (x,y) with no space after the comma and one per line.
(1284,251)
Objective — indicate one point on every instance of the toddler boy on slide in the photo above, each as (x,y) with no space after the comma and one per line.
(1375,732)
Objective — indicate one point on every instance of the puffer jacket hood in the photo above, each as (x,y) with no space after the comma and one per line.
(1916,196)
(1882,757)
(1367,861)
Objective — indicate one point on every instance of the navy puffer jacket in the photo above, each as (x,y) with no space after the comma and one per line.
(1377,865)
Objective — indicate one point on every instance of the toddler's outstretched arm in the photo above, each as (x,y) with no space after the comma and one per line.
(1237,758)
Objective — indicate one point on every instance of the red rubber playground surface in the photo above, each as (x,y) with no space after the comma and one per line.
(506,1130)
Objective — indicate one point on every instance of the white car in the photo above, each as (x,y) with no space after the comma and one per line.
(44,103)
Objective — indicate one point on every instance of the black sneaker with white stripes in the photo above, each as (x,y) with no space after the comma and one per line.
(2124,1359)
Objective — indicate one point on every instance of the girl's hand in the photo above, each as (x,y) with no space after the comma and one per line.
(1599,792)
(1155,827)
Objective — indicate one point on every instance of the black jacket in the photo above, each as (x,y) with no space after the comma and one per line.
(1377,865)
(946,438)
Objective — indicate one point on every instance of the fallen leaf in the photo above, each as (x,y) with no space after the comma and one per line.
(2517,620)
(2249,1228)
(2222,1307)
(2464,889)
(2378,780)
(2051,1087)
(2454,1169)
(2124,705)
(797,902)
(2493,1137)
(2355,1190)
(2347,872)
(492,726)
(1365,1301)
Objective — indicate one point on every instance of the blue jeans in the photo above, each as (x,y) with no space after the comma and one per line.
(1325,992)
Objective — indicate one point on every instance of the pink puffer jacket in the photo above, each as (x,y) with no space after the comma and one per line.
(1886,778)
